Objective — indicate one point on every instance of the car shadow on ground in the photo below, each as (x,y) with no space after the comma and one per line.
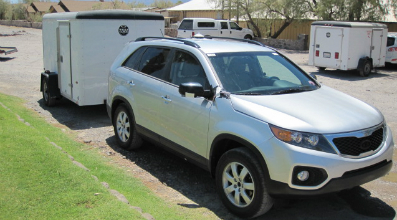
(83,117)
(198,185)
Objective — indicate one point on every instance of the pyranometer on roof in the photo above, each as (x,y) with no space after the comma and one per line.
(196,5)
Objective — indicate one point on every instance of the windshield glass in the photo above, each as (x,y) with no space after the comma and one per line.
(259,73)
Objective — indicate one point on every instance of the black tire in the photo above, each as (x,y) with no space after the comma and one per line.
(321,68)
(125,128)
(248,37)
(366,69)
(252,198)
(47,96)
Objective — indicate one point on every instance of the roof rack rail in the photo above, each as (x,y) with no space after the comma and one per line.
(169,38)
(235,39)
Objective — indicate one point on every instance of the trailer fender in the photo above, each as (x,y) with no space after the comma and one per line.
(365,65)
(52,79)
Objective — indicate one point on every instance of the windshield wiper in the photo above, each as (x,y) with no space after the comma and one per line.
(247,93)
(286,91)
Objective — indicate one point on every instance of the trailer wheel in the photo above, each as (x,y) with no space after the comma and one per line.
(48,100)
(125,128)
(366,69)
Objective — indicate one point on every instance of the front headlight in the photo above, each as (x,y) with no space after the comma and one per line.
(302,139)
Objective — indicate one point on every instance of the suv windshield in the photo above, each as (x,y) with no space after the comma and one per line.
(259,73)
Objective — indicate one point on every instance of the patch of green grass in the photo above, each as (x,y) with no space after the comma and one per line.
(39,181)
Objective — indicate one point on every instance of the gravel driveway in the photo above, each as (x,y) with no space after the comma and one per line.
(184,184)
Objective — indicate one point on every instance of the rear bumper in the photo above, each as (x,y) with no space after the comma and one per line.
(349,180)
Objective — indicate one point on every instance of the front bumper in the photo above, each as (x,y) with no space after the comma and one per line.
(348,180)
(340,172)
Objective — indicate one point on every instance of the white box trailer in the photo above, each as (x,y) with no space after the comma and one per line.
(80,47)
(348,45)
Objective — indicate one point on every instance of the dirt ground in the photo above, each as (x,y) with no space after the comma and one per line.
(184,184)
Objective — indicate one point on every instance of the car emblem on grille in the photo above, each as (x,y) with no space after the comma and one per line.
(365,145)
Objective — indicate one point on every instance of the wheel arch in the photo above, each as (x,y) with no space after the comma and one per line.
(116,102)
(52,79)
(363,60)
(248,36)
(224,142)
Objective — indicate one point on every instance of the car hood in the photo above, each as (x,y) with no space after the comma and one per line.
(324,111)
(247,30)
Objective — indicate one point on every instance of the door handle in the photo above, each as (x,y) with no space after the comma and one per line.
(61,58)
(131,83)
(221,32)
(166,98)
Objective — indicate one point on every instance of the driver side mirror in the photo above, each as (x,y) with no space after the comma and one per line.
(194,89)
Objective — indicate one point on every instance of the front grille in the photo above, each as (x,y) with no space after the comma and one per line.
(354,146)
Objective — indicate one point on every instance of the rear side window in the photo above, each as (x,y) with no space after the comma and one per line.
(205,24)
(153,61)
(390,41)
(186,25)
(134,59)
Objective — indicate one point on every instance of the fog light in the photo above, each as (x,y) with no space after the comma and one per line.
(303,175)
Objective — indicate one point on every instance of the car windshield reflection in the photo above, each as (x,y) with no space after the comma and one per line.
(259,73)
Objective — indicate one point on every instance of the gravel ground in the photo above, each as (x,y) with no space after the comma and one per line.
(184,184)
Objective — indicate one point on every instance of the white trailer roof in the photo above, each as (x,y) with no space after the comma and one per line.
(106,14)
(348,24)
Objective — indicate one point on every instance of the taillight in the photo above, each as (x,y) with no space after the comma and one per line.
(192,34)
(317,53)
(391,49)
(336,55)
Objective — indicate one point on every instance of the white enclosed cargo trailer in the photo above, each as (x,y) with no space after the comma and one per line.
(347,45)
(79,48)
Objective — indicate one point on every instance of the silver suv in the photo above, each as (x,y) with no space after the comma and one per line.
(258,123)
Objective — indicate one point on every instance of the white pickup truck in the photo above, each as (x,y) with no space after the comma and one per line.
(211,27)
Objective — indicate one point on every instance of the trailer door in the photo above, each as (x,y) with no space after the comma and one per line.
(328,47)
(64,62)
(376,45)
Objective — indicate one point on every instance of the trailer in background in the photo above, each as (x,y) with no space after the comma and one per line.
(348,45)
(80,47)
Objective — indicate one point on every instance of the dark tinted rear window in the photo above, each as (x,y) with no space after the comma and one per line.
(205,24)
(186,25)
(390,41)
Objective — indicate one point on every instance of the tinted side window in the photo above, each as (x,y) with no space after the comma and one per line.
(234,25)
(186,25)
(185,68)
(224,25)
(153,61)
(134,59)
(390,41)
(205,24)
